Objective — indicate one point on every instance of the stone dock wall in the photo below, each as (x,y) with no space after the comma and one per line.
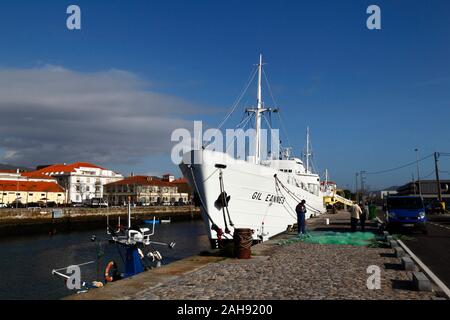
(53,220)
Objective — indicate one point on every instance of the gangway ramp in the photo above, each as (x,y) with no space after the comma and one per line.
(337,198)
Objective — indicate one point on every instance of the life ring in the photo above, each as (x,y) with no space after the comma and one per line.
(111,272)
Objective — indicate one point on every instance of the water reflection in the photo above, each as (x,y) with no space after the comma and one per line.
(26,262)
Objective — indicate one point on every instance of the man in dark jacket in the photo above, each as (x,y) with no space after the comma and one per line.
(301,213)
(363,216)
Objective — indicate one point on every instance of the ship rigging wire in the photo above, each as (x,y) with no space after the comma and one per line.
(243,123)
(399,167)
(281,193)
(238,100)
(293,195)
(283,127)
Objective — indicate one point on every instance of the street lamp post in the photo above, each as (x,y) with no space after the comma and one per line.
(362,184)
(438,182)
(418,171)
(17,189)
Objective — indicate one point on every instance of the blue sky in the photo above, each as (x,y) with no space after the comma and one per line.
(369,97)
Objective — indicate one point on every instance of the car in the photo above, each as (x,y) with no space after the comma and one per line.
(32,205)
(51,204)
(98,203)
(405,212)
(77,204)
(16,204)
(3,205)
(144,204)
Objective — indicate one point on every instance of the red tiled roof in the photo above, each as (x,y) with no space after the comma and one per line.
(8,171)
(36,175)
(180,181)
(141,180)
(29,186)
(66,168)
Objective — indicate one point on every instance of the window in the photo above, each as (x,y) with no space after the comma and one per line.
(30,194)
(42,194)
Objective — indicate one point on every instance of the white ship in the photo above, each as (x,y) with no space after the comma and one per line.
(253,193)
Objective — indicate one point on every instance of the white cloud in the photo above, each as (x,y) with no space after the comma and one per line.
(52,114)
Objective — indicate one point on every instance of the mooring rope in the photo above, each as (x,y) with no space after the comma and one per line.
(293,195)
(78,265)
(224,198)
(244,239)
(224,202)
(213,225)
(289,207)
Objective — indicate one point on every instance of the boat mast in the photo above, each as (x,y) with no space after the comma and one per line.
(308,153)
(258,114)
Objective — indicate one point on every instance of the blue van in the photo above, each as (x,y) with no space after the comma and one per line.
(406,212)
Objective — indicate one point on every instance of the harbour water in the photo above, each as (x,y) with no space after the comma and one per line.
(26,262)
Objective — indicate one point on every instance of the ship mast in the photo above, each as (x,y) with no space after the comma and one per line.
(258,114)
(258,111)
(308,151)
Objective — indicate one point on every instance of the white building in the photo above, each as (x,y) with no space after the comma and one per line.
(386,193)
(29,187)
(144,190)
(16,175)
(81,180)
(168,177)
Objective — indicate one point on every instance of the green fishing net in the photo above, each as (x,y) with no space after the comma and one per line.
(331,237)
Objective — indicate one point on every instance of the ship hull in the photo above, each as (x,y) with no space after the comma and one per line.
(257,201)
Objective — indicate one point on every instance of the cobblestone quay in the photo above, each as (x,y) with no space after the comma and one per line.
(293,271)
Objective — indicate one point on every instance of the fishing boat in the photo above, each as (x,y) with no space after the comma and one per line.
(135,246)
(259,192)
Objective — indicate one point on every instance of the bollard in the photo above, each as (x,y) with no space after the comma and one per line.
(399,252)
(243,240)
(394,244)
(421,282)
(407,263)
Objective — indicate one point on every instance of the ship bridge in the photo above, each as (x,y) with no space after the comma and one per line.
(293,165)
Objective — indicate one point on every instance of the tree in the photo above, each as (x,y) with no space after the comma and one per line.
(81,189)
(348,194)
